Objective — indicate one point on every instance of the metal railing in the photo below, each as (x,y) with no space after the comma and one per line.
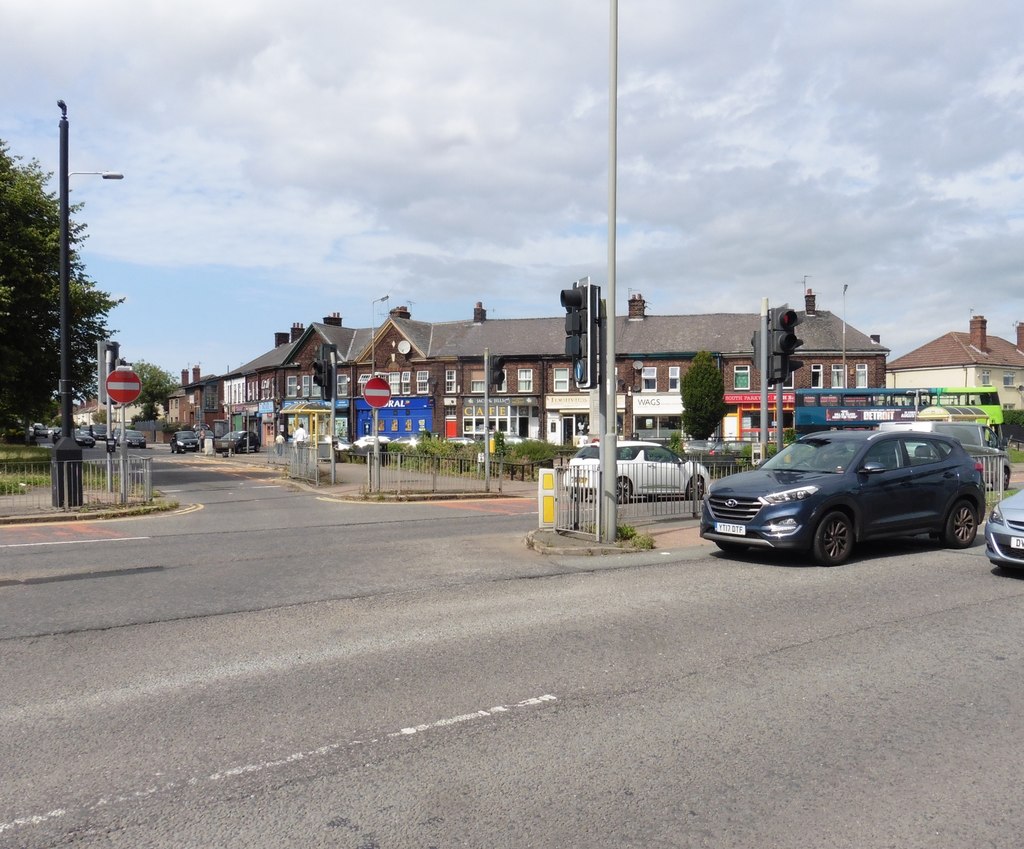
(406,474)
(645,492)
(28,489)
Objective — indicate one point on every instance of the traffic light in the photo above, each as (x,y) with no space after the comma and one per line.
(323,376)
(582,330)
(497,374)
(784,342)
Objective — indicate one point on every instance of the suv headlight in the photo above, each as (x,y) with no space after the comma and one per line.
(799,494)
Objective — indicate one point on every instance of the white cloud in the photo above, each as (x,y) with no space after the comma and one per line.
(449,152)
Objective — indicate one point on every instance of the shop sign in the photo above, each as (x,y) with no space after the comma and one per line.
(755,397)
(666,405)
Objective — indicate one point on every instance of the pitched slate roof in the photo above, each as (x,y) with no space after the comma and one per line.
(955,349)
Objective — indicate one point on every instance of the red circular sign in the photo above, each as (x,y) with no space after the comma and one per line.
(377,392)
(123,386)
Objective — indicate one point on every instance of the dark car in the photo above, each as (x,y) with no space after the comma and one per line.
(237,442)
(184,440)
(84,438)
(132,438)
(829,490)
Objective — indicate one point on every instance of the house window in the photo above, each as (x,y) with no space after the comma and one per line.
(862,375)
(525,379)
(422,382)
(837,376)
(406,383)
(986,377)
(363,378)
(293,386)
(673,378)
(342,387)
(817,376)
(307,385)
(1008,379)
(394,381)
(561,380)
(741,377)
(650,378)
(450,384)
(476,382)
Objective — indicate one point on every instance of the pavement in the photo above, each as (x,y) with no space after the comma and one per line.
(350,478)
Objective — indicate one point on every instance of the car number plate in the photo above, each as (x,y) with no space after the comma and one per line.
(1016,542)
(726,528)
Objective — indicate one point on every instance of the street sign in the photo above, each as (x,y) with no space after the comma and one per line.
(123,386)
(377,392)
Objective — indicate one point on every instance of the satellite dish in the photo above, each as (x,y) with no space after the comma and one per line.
(404,347)
(638,365)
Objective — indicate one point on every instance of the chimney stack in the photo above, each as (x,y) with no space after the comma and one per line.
(876,338)
(297,330)
(1020,336)
(479,313)
(979,338)
(637,306)
(333,320)
(184,376)
(280,339)
(400,312)
(196,374)
(810,303)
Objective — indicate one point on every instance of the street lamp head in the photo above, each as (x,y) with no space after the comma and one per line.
(106,175)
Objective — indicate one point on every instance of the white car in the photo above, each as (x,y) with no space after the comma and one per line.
(643,469)
(366,442)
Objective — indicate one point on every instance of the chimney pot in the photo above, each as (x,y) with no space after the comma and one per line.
(297,330)
(637,306)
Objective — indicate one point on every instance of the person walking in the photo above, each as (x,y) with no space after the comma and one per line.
(279,443)
(299,437)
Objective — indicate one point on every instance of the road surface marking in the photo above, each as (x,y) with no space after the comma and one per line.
(263,766)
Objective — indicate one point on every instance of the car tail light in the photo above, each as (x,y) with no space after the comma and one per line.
(979,466)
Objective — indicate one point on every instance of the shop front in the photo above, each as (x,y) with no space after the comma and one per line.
(400,417)
(743,421)
(656,415)
(571,420)
(515,416)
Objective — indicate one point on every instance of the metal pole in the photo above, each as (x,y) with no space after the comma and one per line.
(845,287)
(779,413)
(487,419)
(334,414)
(609,451)
(762,357)
(67,454)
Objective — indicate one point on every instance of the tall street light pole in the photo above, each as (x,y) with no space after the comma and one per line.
(373,373)
(67,455)
(845,287)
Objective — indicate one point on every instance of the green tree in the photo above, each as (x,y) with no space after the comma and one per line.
(30,297)
(157,386)
(703,392)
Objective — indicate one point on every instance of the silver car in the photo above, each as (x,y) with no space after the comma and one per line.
(1004,533)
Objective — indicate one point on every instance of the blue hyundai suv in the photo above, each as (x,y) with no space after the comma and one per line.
(829,490)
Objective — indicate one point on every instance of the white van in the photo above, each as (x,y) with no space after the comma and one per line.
(979,439)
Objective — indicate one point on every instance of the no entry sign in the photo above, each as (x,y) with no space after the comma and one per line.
(123,386)
(377,392)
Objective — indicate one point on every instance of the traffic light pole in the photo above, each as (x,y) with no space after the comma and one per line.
(487,419)
(762,358)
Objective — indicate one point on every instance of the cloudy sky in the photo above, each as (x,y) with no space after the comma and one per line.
(285,161)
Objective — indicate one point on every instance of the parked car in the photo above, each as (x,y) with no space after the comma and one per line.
(410,440)
(829,490)
(1004,533)
(133,438)
(642,469)
(38,431)
(84,438)
(99,432)
(236,442)
(365,443)
(462,440)
(184,440)
(341,444)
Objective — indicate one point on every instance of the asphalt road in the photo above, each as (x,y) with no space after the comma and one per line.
(275,669)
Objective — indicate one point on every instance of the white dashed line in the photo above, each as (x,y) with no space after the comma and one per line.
(264,766)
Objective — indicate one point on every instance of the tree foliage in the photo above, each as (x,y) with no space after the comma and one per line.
(30,297)
(703,390)
(157,386)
